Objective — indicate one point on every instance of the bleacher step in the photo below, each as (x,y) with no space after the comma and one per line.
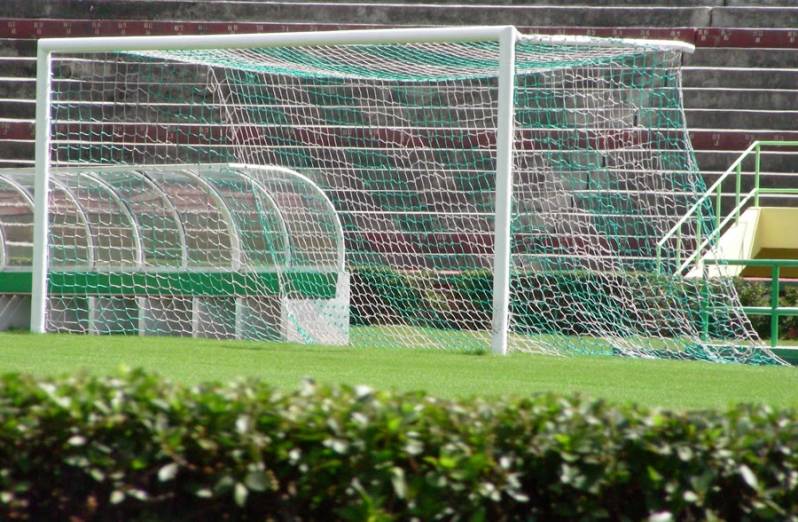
(752,99)
(749,119)
(17,108)
(17,87)
(756,16)
(17,47)
(741,57)
(741,77)
(719,160)
(368,13)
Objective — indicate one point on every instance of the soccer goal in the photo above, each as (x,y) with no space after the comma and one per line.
(493,189)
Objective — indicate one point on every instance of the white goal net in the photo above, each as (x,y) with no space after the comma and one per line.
(403,140)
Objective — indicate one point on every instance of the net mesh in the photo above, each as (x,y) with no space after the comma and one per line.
(401,141)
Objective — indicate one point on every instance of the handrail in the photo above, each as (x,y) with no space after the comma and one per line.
(774,310)
(704,240)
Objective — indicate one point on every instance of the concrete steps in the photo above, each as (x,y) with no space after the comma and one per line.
(756,16)
(15,152)
(719,160)
(759,234)
(18,108)
(741,77)
(752,99)
(365,13)
(746,119)
(604,13)
(18,87)
(741,84)
(17,66)
(14,47)
(738,57)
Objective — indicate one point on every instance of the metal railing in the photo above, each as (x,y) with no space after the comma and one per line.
(701,238)
(774,310)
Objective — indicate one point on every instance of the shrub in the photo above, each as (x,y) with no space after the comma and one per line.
(135,447)
(757,293)
(555,302)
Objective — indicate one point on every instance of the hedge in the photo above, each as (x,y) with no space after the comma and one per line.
(757,293)
(134,447)
(575,301)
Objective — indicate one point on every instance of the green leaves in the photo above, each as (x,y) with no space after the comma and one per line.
(120,447)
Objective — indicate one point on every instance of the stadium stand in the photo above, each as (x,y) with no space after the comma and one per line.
(739,86)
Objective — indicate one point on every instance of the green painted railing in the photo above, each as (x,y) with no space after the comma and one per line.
(774,310)
(699,236)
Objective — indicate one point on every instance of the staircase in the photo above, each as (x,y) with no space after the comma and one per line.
(728,222)
(756,239)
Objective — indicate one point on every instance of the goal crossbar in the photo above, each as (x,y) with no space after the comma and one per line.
(346,37)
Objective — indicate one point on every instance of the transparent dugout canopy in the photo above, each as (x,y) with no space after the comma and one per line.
(173,218)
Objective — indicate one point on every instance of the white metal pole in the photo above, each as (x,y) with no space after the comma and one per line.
(504,190)
(40,195)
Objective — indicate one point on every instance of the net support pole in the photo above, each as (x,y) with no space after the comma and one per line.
(504,190)
(40,196)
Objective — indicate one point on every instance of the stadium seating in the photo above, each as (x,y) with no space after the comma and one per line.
(740,85)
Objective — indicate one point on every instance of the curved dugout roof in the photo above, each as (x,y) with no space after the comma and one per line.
(221,216)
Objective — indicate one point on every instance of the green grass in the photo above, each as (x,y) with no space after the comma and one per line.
(672,384)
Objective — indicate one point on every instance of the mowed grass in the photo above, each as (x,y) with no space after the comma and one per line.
(671,384)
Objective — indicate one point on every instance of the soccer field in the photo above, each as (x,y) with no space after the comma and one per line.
(671,384)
